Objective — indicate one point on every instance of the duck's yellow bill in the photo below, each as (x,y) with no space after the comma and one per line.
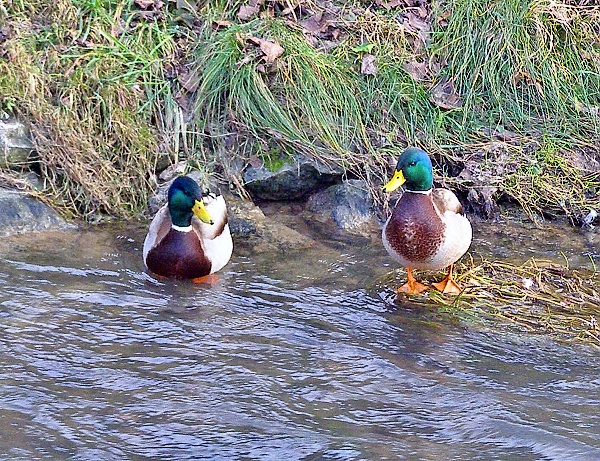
(200,211)
(394,183)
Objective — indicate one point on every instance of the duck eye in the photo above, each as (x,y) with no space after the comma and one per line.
(412,163)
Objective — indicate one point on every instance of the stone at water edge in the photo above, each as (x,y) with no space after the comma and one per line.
(15,144)
(294,180)
(349,205)
(20,213)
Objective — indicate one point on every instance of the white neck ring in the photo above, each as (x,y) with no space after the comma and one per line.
(426,192)
(181,229)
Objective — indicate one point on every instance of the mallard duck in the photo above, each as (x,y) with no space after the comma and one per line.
(427,228)
(189,237)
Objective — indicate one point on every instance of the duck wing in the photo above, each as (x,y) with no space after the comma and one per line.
(159,228)
(445,201)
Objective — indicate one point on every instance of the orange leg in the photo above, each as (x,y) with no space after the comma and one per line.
(448,285)
(411,287)
(210,279)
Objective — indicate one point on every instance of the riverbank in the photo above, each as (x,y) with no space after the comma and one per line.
(117,91)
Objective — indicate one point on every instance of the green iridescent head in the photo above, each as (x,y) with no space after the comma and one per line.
(185,200)
(413,169)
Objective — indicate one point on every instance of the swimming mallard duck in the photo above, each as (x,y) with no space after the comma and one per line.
(427,228)
(189,237)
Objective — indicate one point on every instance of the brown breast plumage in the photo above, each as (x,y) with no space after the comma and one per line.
(415,231)
(179,255)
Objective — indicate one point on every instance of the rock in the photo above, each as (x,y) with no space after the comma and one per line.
(15,144)
(349,205)
(248,222)
(32,179)
(244,217)
(172,171)
(483,173)
(291,181)
(20,212)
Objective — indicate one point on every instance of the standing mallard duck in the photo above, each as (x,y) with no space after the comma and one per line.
(427,228)
(189,237)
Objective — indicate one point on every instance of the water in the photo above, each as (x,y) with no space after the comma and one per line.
(289,357)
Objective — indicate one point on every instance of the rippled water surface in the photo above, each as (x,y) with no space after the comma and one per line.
(288,357)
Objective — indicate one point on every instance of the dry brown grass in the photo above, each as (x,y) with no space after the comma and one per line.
(537,297)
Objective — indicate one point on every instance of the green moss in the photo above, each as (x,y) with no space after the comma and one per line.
(274,159)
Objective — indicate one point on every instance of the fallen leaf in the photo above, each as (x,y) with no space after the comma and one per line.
(368,66)
(5,33)
(153,5)
(241,38)
(444,95)
(527,78)
(321,26)
(189,5)
(442,19)
(416,25)
(421,11)
(314,24)
(221,24)
(419,71)
(291,8)
(269,12)
(182,100)
(116,30)
(272,50)
(390,5)
(189,80)
(246,12)
(144,4)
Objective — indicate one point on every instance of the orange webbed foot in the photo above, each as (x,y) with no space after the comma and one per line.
(210,279)
(411,287)
(448,285)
